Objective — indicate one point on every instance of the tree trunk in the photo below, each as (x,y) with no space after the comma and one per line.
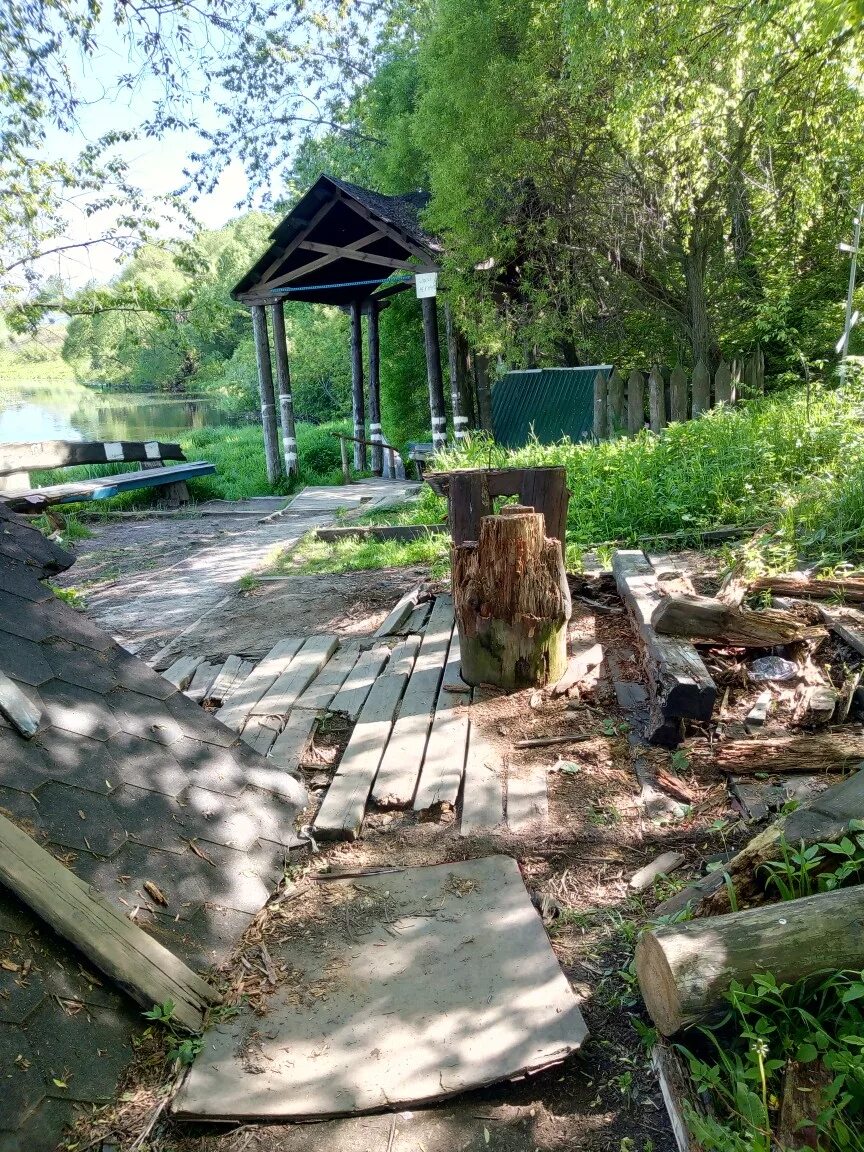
(265,390)
(695,267)
(358,403)
(373,336)
(684,970)
(512,602)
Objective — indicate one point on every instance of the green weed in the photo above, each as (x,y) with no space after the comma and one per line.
(182,1045)
(354,555)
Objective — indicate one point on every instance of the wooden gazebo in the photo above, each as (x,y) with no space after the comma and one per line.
(353,248)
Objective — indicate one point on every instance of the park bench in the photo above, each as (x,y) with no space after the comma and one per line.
(18,460)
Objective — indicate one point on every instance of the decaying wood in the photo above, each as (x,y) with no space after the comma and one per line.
(685,970)
(400,612)
(18,709)
(830,752)
(135,961)
(849,588)
(548,741)
(578,667)
(706,618)
(848,623)
(804,1097)
(662,866)
(681,686)
(512,602)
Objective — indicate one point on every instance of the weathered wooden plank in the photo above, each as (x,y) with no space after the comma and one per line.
(279,699)
(18,708)
(225,677)
(291,743)
(403,656)
(400,612)
(235,711)
(36,455)
(444,761)
(106,486)
(247,667)
(259,732)
(681,686)
(352,695)
(527,799)
(587,656)
(180,673)
(400,767)
(416,622)
(330,679)
(124,952)
(202,681)
(848,623)
(483,793)
(340,816)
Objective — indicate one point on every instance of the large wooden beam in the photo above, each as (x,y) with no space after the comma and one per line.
(411,246)
(283,383)
(681,686)
(707,618)
(123,951)
(292,245)
(29,457)
(374,337)
(433,373)
(265,391)
(460,420)
(357,399)
(349,252)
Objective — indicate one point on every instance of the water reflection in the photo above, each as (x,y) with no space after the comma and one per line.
(65,411)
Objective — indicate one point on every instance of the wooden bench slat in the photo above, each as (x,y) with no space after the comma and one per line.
(106,486)
(39,454)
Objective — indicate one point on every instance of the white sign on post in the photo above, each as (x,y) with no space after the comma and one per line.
(426,284)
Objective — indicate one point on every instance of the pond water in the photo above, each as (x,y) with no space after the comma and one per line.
(65,411)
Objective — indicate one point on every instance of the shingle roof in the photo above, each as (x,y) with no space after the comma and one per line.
(122,776)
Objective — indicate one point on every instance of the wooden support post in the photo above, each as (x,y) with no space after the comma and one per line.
(678,396)
(601,418)
(283,383)
(723,391)
(616,410)
(374,338)
(346,471)
(656,400)
(265,389)
(512,602)
(357,400)
(635,402)
(460,420)
(484,392)
(433,373)
(701,389)
(467,382)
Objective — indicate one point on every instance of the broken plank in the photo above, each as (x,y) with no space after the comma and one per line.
(18,709)
(483,792)
(588,656)
(352,695)
(444,762)
(416,622)
(292,742)
(180,673)
(225,678)
(202,681)
(403,655)
(848,623)
(681,686)
(259,732)
(832,752)
(123,951)
(279,699)
(247,667)
(400,767)
(400,613)
(527,799)
(707,618)
(340,816)
(330,679)
(235,711)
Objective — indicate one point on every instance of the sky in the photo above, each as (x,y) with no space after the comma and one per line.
(155,166)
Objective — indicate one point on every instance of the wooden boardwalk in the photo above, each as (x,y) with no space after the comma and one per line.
(412,744)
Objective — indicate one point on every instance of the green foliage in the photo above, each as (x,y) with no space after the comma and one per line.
(182,1046)
(356,555)
(802,870)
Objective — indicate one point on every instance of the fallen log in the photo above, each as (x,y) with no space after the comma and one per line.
(685,970)
(680,684)
(831,752)
(706,618)
(850,588)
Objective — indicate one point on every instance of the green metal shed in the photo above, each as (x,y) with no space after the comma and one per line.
(551,402)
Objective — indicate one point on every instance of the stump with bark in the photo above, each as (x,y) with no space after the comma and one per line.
(512,602)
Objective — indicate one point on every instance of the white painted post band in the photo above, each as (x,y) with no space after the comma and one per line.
(439,422)
(289,440)
(374,427)
(151,450)
(460,420)
(114,451)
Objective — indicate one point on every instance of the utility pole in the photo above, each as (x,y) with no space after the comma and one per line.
(842,348)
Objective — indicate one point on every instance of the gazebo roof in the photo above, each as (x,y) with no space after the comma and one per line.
(340,243)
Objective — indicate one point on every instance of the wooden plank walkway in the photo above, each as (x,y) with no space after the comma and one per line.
(330,679)
(202,681)
(351,696)
(400,767)
(225,679)
(235,712)
(444,762)
(292,742)
(340,816)
(280,697)
(485,773)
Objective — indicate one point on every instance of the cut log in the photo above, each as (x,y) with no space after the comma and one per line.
(123,951)
(831,752)
(705,618)
(681,686)
(18,709)
(850,589)
(685,970)
(512,602)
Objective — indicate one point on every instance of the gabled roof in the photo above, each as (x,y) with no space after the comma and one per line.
(339,243)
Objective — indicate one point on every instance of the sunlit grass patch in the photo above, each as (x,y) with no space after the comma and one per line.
(353,554)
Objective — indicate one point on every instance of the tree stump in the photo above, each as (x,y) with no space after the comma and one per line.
(512,602)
